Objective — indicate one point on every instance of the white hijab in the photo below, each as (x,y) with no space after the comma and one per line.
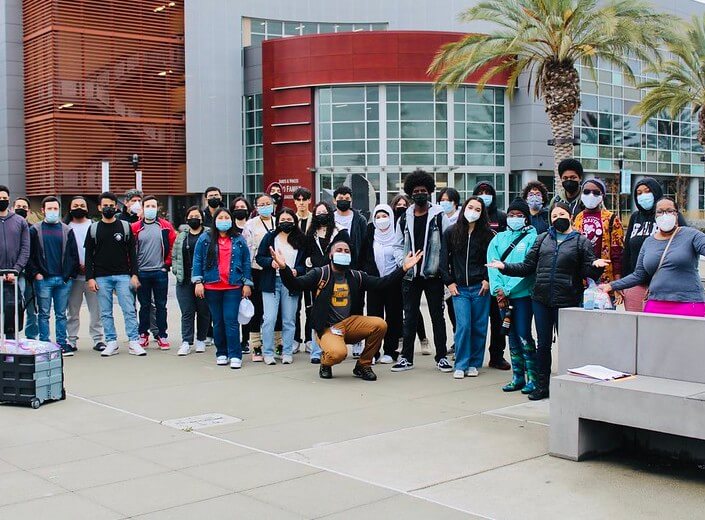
(384,240)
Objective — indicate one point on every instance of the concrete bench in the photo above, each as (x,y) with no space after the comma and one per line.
(668,395)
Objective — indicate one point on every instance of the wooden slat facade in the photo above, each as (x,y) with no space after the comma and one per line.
(104,79)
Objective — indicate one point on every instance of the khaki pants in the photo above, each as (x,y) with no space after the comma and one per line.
(355,329)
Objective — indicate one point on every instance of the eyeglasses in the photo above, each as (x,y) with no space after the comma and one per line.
(660,212)
(597,193)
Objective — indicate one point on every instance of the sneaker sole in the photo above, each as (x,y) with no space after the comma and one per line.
(138,354)
(446,370)
(402,369)
(67,354)
(103,354)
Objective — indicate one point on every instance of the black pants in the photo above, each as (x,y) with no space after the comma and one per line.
(192,308)
(451,312)
(420,327)
(305,301)
(256,298)
(411,293)
(498,341)
(387,304)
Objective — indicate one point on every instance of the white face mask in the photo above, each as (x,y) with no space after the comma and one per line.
(591,201)
(382,223)
(135,208)
(471,215)
(666,222)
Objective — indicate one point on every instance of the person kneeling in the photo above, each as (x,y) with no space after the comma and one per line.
(338,290)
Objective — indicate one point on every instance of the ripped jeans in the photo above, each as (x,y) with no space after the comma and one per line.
(522,346)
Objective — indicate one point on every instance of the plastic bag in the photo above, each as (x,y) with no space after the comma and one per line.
(595,299)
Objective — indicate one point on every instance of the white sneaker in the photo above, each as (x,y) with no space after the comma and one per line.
(386,360)
(400,347)
(111,349)
(269,360)
(235,363)
(425,348)
(200,346)
(357,349)
(307,347)
(459,374)
(209,342)
(287,360)
(136,349)
(184,349)
(296,348)
(221,360)
(472,372)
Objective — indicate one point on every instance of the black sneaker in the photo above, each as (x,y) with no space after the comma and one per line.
(365,373)
(325,372)
(280,350)
(402,365)
(99,347)
(68,350)
(444,366)
(246,348)
(315,361)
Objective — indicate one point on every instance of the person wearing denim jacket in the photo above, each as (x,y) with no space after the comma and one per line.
(222,274)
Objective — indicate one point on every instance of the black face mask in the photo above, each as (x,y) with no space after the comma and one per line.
(343,205)
(287,227)
(570,186)
(194,223)
(240,214)
(420,199)
(276,198)
(109,211)
(21,212)
(215,203)
(323,220)
(78,213)
(398,212)
(561,224)
(4,204)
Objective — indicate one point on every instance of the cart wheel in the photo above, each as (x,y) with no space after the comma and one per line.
(63,394)
(35,403)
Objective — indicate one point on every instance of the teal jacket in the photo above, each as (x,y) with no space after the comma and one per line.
(513,286)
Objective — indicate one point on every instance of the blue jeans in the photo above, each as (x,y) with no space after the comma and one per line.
(224,307)
(522,346)
(546,319)
(316,351)
(471,314)
(47,290)
(120,284)
(272,302)
(153,284)
(31,328)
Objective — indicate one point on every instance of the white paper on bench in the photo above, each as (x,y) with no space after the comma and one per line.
(597,372)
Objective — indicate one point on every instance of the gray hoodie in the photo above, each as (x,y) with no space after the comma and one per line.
(14,242)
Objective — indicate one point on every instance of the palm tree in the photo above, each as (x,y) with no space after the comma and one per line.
(547,39)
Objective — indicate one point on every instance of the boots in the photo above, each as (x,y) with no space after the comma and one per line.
(541,391)
(530,361)
(518,382)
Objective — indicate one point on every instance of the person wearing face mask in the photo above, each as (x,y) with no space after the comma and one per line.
(571,174)
(221,273)
(275,191)
(154,237)
(214,200)
(79,223)
(603,229)
(21,207)
(302,201)
(192,308)
(561,259)
(255,230)
(498,222)
(241,209)
(288,239)
(642,224)
(400,203)
(463,259)
(351,220)
(339,290)
(133,206)
(53,264)
(536,196)
(668,264)
(514,294)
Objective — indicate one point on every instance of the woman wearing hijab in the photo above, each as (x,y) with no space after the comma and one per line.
(380,262)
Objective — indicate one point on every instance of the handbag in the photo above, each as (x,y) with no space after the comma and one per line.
(660,263)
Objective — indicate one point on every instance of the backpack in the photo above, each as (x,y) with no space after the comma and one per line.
(325,278)
(93,230)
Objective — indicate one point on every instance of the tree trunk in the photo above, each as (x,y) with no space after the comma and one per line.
(701,127)
(560,88)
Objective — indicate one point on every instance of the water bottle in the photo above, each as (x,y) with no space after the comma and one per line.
(507,321)
(589,298)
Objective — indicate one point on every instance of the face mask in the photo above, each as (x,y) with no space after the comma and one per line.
(471,215)
(21,212)
(666,223)
(135,208)
(420,199)
(342,259)
(223,225)
(487,199)
(240,214)
(51,216)
(322,220)
(287,227)
(516,223)
(398,212)
(79,213)
(646,201)
(535,202)
(382,223)
(591,201)
(276,197)
(446,206)
(4,204)
(343,205)
(570,186)
(109,212)
(215,202)
(266,211)
(561,224)
(194,223)
(150,213)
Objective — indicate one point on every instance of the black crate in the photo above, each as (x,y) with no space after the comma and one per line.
(31,379)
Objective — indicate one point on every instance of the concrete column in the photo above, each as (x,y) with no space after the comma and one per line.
(694,195)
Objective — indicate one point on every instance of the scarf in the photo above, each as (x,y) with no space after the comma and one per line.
(383,240)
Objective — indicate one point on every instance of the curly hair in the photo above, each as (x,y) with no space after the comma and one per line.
(419,178)
(535,185)
(570,165)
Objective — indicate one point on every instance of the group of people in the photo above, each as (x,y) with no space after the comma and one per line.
(309,272)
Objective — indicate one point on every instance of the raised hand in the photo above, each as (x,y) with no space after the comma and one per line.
(600,262)
(495,264)
(412,259)
(278,258)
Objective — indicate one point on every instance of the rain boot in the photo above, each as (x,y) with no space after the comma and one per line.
(541,391)
(530,363)
(518,367)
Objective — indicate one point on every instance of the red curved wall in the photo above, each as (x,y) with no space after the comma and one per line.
(293,67)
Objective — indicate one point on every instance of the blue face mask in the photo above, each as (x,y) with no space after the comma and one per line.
(516,223)
(487,199)
(150,213)
(52,217)
(342,259)
(646,201)
(446,206)
(223,225)
(266,211)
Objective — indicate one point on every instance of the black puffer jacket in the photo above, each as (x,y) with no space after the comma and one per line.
(560,269)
